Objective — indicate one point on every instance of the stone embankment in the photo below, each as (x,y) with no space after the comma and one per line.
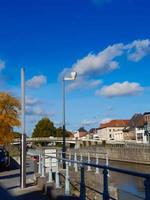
(125,153)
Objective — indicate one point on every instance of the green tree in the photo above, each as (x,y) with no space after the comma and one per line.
(44,128)
(17,134)
(59,133)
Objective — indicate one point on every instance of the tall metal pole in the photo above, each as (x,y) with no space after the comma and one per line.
(63,124)
(23,143)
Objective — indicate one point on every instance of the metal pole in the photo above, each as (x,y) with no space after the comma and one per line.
(67,183)
(63,124)
(23,147)
(97,162)
(147,188)
(43,166)
(50,179)
(39,164)
(82,184)
(105,186)
(89,160)
(57,181)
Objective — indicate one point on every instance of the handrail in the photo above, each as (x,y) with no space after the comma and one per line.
(124,171)
(105,168)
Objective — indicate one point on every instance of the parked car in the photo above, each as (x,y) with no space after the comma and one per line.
(4,158)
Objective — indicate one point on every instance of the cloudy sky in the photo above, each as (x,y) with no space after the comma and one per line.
(107,42)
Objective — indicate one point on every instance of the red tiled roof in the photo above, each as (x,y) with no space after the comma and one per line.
(115,123)
(82,134)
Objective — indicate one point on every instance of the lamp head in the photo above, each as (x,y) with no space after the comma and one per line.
(73,75)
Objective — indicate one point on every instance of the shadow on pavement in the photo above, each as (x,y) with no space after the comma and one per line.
(5,195)
(13,175)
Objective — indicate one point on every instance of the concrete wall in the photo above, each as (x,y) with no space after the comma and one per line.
(133,154)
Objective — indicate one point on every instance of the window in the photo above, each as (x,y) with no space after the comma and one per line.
(109,130)
(139,136)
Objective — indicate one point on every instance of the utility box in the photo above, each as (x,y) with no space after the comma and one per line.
(50,153)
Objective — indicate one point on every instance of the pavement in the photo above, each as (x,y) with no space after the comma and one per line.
(10,184)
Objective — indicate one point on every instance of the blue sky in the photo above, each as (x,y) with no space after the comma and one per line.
(106,41)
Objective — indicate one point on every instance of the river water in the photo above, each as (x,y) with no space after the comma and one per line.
(130,187)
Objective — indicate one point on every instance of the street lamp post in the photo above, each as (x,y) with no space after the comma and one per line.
(72,77)
(23,141)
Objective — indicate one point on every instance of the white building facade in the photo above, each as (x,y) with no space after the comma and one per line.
(111,133)
(141,137)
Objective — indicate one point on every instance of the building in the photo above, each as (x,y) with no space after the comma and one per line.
(81,133)
(135,131)
(112,130)
(146,116)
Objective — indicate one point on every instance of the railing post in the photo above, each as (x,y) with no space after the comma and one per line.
(43,166)
(82,184)
(69,159)
(147,188)
(105,185)
(39,168)
(97,162)
(89,160)
(57,181)
(61,157)
(50,179)
(107,163)
(75,164)
(67,184)
(81,158)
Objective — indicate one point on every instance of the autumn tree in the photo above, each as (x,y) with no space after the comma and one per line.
(9,116)
(44,128)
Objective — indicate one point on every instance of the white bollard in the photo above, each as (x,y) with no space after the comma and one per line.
(69,159)
(107,162)
(75,164)
(39,168)
(81,157)
(57,180)
(67,183)
(97,162)
(50,179)
(89,160)
(61,157)
(43,166)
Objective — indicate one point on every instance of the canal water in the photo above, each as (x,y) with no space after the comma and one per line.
(129,185)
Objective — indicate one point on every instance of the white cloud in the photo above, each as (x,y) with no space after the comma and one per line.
(105,61)
(37,81)
(32,101)
(138,49)
(80,82)
(37,111)
(2,64)
(120,89)
(99,63)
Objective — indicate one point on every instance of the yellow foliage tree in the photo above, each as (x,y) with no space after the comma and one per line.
(9,116)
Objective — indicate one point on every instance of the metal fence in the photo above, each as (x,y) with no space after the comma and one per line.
(81,165)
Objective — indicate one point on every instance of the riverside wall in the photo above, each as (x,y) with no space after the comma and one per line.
(133,153)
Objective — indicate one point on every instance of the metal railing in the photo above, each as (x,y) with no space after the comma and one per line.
(82,165)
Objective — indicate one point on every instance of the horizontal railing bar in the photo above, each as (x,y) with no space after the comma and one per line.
(124,171)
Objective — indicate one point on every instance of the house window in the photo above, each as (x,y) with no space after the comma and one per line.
(110,135)
(109,130)
(139,136)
